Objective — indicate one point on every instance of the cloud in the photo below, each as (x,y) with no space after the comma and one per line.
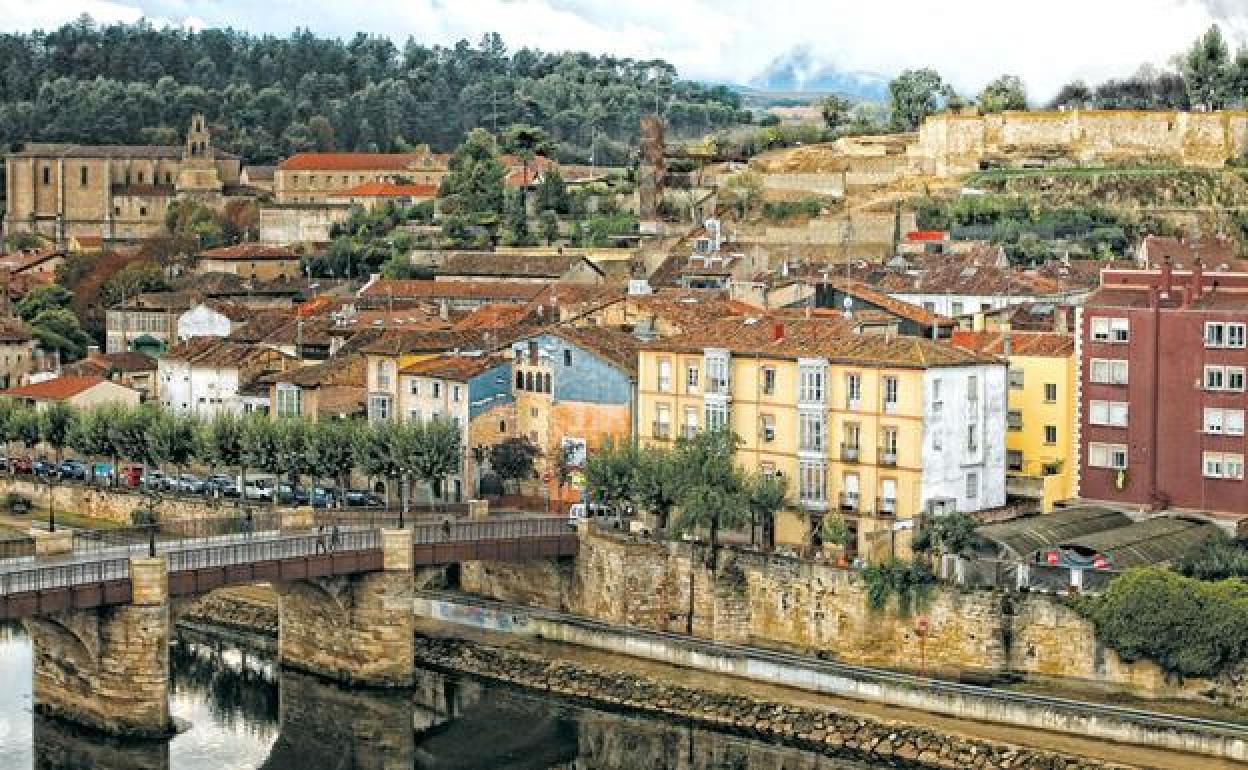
(969,41)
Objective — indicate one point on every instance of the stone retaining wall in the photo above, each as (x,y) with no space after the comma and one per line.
(829,732)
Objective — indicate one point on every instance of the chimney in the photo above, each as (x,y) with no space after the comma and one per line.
(777,331)
(444,309)
(1198,280)
(1167,277)
(1061,319)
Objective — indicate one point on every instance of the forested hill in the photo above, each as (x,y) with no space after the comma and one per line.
(269,97)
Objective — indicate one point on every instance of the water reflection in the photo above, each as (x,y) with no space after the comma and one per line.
(245,712)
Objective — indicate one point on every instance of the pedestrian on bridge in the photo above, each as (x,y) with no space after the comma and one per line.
(335,537)
(446,529)
(320,538)
(249,524)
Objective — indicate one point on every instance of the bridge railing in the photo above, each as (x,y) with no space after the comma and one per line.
(501,529)
(273,550)
(63,576)
(174,532)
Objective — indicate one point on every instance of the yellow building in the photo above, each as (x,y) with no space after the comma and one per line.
(1040,450)
(881,428)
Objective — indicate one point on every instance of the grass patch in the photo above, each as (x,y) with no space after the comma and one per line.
(993,175)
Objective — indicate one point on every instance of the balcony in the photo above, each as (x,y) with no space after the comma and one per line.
(890,407)
(717,386)
(849,502)
(886,506)
(688,431)
(853,404)
(888,458)
(850,453)
(662,430)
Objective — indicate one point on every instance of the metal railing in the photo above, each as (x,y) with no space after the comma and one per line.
(469,531)
(63,576)
(170,534)
(251,551)
(850,452)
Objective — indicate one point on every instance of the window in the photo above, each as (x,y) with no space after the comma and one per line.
(546,383)
(1228,422)
(972,437)
(1050,435)
(413,386)
(47,175)
(1224,378)
(1016,379)
(811,385)
(890,395)
(1112,456)
(1221,465)
(1112,413)
(665,375)
(690,428)
(288,401)
(1014,419)
(567,356)
(1014,460)
(767,428)
(519,380)
(972,485)
(437,390)
(1109,371)
(691,379)
(1224,335)
(888,442)
(957,308)
(853,390)
(1050,392)
(383,374)
(533,353)
(414,415)
(853,435)
(769,381)
(662,422)
(1110,330)
(716,416)
(812,482)
(717,374)
(379,407)
(455,393)
(810,432)
(143,212)
(972,388)
(937,403)
(82,176)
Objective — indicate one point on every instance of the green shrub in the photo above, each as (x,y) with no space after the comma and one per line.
(781,210)
(1218,558)
(909,581)
(17,503)
(1188,627)
(143,517)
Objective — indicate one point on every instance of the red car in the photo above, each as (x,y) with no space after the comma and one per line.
(20,464)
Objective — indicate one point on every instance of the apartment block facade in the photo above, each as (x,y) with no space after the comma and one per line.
(883,429)
(1162,356)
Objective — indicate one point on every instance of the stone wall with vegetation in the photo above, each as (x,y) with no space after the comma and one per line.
(819,609)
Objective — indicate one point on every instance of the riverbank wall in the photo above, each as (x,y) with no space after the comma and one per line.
(815,608)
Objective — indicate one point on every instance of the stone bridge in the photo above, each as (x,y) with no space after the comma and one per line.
(100,622)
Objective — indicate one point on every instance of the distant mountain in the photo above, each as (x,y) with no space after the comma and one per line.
(800,70)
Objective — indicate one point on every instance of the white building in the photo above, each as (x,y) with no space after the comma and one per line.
(207,376)
(211,319)
(964,426)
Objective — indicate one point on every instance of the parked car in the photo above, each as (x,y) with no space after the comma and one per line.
(21,464)
(324,497)
(258,489)
(189,483)
(290,495)
(221,485)
(42,466)
(131,475)
(359,498)
(72,470)
(153,479)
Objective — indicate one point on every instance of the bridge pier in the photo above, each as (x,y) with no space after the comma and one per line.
(108,668)
(354,629)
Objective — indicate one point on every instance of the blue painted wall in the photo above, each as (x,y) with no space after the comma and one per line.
(489,389)
(590,379)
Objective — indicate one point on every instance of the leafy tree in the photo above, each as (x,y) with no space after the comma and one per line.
(516,221)
(473,185)
(330,451)
(655,483)
(1074,95)
(835,530)
(552,193)
(221,441)
(41,299)
(91,438)
(438,453)
(611,474)
(23,427)
(913,95)
(550,226)
(1207,70)
(1188,627)
(835,110)
(58,329)
(514,459)
(767,494)
(171,440)
(258,442)
(134,278)
(378,452)
(1218,558)
(526,142)
(745,189)
(1005,93)
(56,425)
(713,494)
(953,533)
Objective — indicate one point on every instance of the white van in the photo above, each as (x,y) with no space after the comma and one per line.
(580,511)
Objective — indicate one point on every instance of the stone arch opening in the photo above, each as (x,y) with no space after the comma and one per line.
(52,636)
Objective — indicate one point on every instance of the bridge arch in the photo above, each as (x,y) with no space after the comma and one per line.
(73,638)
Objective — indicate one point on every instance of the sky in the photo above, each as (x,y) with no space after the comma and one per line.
(968,41)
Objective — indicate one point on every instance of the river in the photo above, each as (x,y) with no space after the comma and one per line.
(243,711)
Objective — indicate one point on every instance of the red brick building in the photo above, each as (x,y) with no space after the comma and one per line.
(1162,389)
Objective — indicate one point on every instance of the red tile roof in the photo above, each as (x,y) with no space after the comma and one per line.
(453,367)
(361,161)
(59,389)
(484,290)
(891,305)
(1038,344)
(249,251)
(390,190)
